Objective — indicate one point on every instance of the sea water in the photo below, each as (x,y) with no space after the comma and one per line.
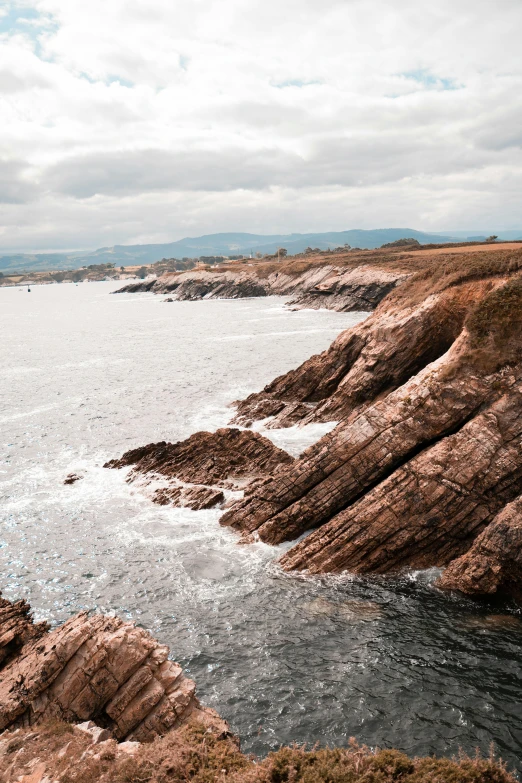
(85,376)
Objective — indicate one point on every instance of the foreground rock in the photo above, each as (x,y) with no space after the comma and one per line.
(16,628)
(428,450)
(228,458)
(93,667)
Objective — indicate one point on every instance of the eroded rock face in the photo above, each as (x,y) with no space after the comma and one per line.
(494,563)
(327,286)
(344,290)
(206,463)
(430,510)
(16,628)
(94,668)
(358,453)
(428,449)
(365,362)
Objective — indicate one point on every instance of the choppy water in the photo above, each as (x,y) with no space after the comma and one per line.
(85,376)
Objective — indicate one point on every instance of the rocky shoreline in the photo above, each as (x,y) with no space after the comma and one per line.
(344,283)
(97,700)
(424,467)
(93,667)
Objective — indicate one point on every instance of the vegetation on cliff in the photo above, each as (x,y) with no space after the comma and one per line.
(193,754)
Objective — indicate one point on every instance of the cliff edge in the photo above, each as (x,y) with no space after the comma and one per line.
(428,449)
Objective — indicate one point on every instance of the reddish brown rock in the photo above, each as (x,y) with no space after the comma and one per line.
(494,563)
(16,628)
(196,498)
(221,458)
(430,510)
(100,668)
(411,476)
(364,363)
(358,453)
(427,451)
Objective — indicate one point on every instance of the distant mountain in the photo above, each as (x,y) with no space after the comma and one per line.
(228,244)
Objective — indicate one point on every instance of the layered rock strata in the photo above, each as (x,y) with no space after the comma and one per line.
(493,564)
(326,286)
(98,668)
(16,628)
(359,453)
(206,463)
(430,510)
(428,450)
(363,363)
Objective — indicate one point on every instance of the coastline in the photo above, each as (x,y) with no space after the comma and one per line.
(309,410)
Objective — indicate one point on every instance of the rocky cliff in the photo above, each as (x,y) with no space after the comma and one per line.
(93,667)
(198,469)
(342,283)
(428,449)
(427,453)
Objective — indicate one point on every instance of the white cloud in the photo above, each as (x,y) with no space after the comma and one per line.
(256,115)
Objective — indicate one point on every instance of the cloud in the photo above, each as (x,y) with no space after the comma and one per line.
(15,188)
(248,115)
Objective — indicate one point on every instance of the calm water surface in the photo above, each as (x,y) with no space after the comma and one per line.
(86,376)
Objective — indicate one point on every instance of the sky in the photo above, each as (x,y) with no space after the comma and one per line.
(136,121)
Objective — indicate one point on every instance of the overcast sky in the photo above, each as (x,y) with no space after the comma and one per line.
(126,121)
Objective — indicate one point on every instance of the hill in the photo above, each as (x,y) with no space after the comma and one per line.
(217,244)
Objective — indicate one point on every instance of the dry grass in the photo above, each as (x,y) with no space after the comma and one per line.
(193,754)
(432,275)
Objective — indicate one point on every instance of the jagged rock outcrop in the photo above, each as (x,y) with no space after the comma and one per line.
(342,288)
(93,667)
(16,628)
(358,453)
(494,563)
(202,284)
(431,509)
(339,289)
(428,449)
(365,362)
(228,458)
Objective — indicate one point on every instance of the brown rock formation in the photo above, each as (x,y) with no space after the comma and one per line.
(227,458)
(92,667)
(196,497)
(494,563)
(359,453)
(365,362)
(16,628)
(202,284)
(428,450)
(356,286)
(429,510)
(210,458)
